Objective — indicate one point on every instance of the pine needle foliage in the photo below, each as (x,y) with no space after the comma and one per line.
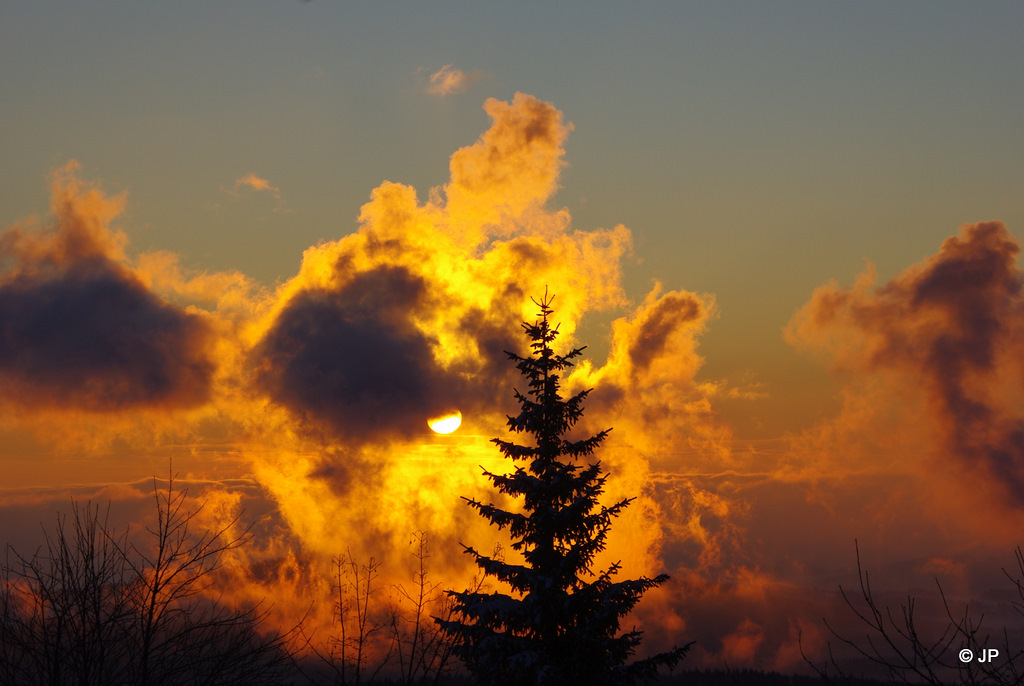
(560,624)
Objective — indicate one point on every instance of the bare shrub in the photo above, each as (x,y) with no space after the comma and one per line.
(93,607)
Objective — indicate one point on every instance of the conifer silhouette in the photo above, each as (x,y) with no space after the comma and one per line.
(560,624)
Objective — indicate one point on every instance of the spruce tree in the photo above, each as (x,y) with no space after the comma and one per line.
(559,625)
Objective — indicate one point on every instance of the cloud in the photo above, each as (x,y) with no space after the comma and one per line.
(510,171)
(93,338)
(928,438)
(413,314)
(231,294)
(81,231)
(351,359)
(946,334)
(922,464)
(448,80)
(256,183)
(79,330)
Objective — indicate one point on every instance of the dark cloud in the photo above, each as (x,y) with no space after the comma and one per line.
(666,317)
(78,328)
(951,325)
(90,336)
(351,361)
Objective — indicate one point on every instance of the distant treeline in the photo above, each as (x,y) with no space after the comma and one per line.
(711,677)
(752,677)
(697,677)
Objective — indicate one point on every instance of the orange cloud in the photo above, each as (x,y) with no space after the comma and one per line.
(411,315)
(741,646)
(448,80)
(922,463)
(649,385)
(81,229)
(940,343)
(257,183)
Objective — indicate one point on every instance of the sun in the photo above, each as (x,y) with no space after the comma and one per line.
(446,423)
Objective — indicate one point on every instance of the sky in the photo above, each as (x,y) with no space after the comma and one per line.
(267,240)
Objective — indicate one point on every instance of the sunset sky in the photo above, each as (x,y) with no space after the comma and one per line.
(268,240)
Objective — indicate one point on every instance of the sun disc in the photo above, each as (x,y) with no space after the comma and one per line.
(447,423)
